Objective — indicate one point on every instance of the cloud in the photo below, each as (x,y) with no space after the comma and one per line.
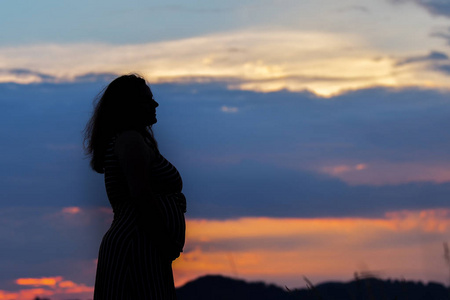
(324,63)
(255,189)
(358,8)
(24,76)
(204,233)
(260,248)
(50,252)
(435,61)
(340,169)
(434,7)
(55,233)
(229,109)
(46,281)
(54,287)
(73,210)
(270,248)
(432,56)
(281,150)
(382,173)
(24,294)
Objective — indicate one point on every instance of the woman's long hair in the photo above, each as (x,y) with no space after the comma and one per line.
(116,109)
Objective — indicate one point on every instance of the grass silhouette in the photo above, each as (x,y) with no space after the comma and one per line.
(365,285)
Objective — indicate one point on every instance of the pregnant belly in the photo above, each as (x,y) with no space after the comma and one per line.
(174,207)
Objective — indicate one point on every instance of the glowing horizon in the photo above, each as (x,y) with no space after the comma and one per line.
(281,250)
(310,246)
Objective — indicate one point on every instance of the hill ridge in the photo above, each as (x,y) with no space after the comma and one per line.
(219,287)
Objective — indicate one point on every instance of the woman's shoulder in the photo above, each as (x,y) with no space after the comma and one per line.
(128,137)
(130,141)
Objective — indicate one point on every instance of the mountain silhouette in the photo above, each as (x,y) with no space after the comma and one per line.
(216,287)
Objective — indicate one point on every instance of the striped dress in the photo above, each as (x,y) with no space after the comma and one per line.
(133,263)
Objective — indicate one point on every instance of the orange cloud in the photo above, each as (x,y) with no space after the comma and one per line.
(341,169)
(71,210)
(55,287)
(380,172)
(24,294)
(48,281)
(402,244)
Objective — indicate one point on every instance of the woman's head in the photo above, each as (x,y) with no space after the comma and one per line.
(125,104)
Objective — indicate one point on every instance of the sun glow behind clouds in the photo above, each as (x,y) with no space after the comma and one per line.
(321,62)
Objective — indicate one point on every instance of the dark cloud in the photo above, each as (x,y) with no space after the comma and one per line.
(443,34)
(433,56)
(46,78)
(359,8)
(443,68)
(435,60)
(434,7)
(44,241)
(264,242)
(96,77)
(26,73)
(257,161)
(252,189)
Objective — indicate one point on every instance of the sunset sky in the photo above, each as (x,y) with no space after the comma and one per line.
(312,136)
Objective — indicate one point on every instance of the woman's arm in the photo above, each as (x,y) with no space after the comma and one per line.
(135,157)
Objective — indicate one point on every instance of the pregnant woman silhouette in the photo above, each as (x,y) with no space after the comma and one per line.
(144,190)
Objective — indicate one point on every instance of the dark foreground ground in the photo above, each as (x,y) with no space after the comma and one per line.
(222,288)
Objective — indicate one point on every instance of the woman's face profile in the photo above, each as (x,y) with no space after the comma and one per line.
(147,106)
